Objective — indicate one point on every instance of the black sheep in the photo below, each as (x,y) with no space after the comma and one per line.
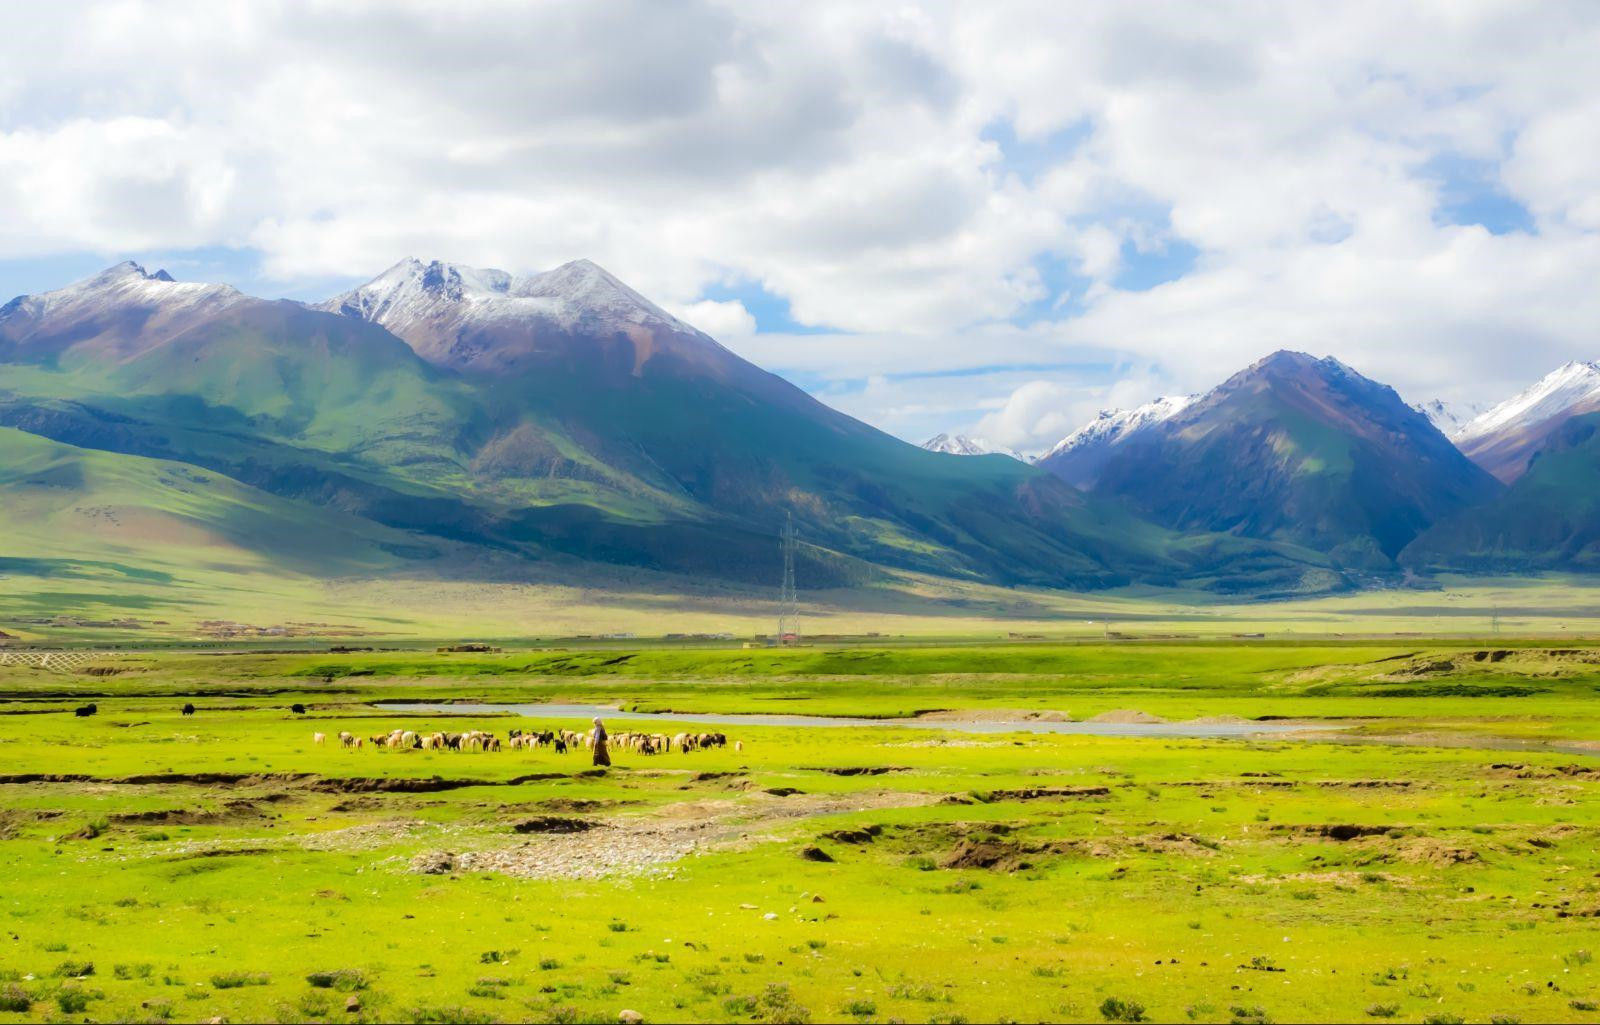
(84,711)
(188,709)
(298,709)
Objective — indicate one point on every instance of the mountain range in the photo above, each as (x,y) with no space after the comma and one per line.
(464,422)
(1309,451)
(452,419)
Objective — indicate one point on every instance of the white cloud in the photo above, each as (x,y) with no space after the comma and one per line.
(840,155)
(727,321)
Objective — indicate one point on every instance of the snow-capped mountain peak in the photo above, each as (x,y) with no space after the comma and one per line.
(1449,417)
(1557,392)
(1505,438)
(129,283)
(1114,426)
(116,313)
(487,320)
(961,445)
(575,292)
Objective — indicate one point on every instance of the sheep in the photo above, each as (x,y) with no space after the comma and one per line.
(84,711)
(188,708)
(319,739)
(297,708)
(348,739)
(738,745)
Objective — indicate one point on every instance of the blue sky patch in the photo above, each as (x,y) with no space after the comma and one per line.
(1028,158)
(238,267)
(771,311)
(1470,192)
(1143,270)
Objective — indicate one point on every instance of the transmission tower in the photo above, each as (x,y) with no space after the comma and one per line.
(789,598)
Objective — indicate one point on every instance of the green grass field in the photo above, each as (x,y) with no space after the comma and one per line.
(167,867)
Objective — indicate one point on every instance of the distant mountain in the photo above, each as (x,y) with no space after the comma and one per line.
(1078,458)
(117,314)
(1549,518)
(456,416)
(961,445)
(1504,438)
(1296,449)
(1449,417)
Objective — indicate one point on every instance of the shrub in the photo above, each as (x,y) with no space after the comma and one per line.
(72,1000)
(1115,1009)
(235,980)
(779,1007)
(447,1016)
(346,979)
(1382,1010)
(15,999)
(73,969)
(860,1008)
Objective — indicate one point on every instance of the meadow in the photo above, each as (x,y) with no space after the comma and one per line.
(1424,851)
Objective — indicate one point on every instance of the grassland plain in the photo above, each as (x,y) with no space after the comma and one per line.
(111,602)
(159,866)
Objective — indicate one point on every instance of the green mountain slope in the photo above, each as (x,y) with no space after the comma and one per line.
(1299,450)
(1548,519)
(608,433)
(66,507)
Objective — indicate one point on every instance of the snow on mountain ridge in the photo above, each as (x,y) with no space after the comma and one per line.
(961,445)
(127,283)
(1449,417)
(1113,426)
(1555,393)
(570,295)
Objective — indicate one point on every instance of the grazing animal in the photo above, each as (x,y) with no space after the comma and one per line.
(738,745)
(319,739)
(348,739)
(188,709)
(84,711)
(298,709)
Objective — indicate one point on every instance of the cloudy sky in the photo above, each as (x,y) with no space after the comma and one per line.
(995,218)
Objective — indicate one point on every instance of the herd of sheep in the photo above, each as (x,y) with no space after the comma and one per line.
(561,741)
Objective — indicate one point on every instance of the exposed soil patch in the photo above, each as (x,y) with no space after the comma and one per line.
(993,856)
(222,852)
(1131,716)
(1342,832)
(855,770)
(553,824)
(233,811)
(648,843)
(853,836)
(1044,793)
(1518,770)
(307,780)
(1439,853)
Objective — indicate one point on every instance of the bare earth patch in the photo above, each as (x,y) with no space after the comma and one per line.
(646,844)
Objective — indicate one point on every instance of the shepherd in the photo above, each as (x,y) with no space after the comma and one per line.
(601,755)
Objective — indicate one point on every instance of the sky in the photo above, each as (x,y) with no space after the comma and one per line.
(993,219)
